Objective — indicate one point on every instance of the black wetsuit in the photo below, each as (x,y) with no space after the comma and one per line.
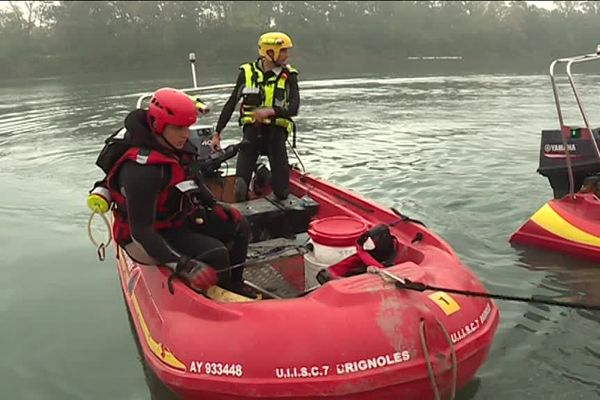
(263,139)
(216,242)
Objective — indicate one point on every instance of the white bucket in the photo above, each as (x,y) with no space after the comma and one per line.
(333,240)
(311,269)
(329,256)
(322,257)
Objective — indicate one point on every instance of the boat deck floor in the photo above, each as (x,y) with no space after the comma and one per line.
(282,272)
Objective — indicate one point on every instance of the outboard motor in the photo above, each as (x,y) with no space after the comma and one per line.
(571,153)
(200,136)
(570,159)
(584,161)
(209,162)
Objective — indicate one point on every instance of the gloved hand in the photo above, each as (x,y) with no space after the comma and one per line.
(224,212)
(195,273)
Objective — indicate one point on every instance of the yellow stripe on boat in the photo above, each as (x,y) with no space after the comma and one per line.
(551,221)
(157,348)
(122,264)
(224,295)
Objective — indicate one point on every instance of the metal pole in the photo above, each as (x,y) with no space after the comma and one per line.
(569,61)
(562,136)
(192,58)
(555,91)
(580,104)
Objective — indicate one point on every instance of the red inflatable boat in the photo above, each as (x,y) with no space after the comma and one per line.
(570,159)
(570,225)
(355,338)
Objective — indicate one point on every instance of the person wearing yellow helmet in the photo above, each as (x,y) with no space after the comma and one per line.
(274,47)
(268,88)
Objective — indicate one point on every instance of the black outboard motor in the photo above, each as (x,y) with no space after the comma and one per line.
(571,153)
(200,136)
(209,162)
(553,158)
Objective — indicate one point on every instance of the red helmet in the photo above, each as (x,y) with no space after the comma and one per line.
(170,107)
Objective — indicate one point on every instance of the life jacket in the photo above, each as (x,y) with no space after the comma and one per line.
(259,92)
(180,198)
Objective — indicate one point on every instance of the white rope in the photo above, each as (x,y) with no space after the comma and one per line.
(430,372)
(385,275)
(100,247)
(454,362)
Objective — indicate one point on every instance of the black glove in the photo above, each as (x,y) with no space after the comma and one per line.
(195,273)
(226,212)
(323,276)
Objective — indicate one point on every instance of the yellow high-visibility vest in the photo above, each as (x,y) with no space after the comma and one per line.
(261,93)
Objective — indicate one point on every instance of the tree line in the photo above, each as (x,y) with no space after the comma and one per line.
(60,37)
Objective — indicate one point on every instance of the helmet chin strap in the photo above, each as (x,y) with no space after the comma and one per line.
(160,135)
(272,59)
(175,149)
(277,62)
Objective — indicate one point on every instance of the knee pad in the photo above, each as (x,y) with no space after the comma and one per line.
(240,190)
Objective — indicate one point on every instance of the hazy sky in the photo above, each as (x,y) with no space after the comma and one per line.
(545,4)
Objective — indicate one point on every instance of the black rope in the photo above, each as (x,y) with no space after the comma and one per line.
(294,136)
(421,287)
(268,256)
(405,218)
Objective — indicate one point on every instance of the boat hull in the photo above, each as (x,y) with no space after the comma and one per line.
(567,225)
(358,338)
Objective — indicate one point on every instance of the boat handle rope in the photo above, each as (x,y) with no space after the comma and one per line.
(293,148)
(100,247)
(404,283)
(434,385)
(454,360)
(269,256)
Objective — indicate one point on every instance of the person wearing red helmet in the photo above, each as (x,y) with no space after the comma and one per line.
(163,214)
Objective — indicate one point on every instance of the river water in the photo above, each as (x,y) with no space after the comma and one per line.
(457,152)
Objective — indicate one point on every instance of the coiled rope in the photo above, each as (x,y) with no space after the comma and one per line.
(100,246)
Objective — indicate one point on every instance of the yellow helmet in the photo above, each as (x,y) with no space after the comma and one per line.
(273,41)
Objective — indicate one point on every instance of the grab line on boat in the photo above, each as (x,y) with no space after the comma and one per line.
(404,283)
(430,371)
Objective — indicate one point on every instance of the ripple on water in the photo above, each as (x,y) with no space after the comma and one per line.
(457,152)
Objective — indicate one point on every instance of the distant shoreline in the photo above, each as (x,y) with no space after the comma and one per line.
(348,65)
(413,58)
